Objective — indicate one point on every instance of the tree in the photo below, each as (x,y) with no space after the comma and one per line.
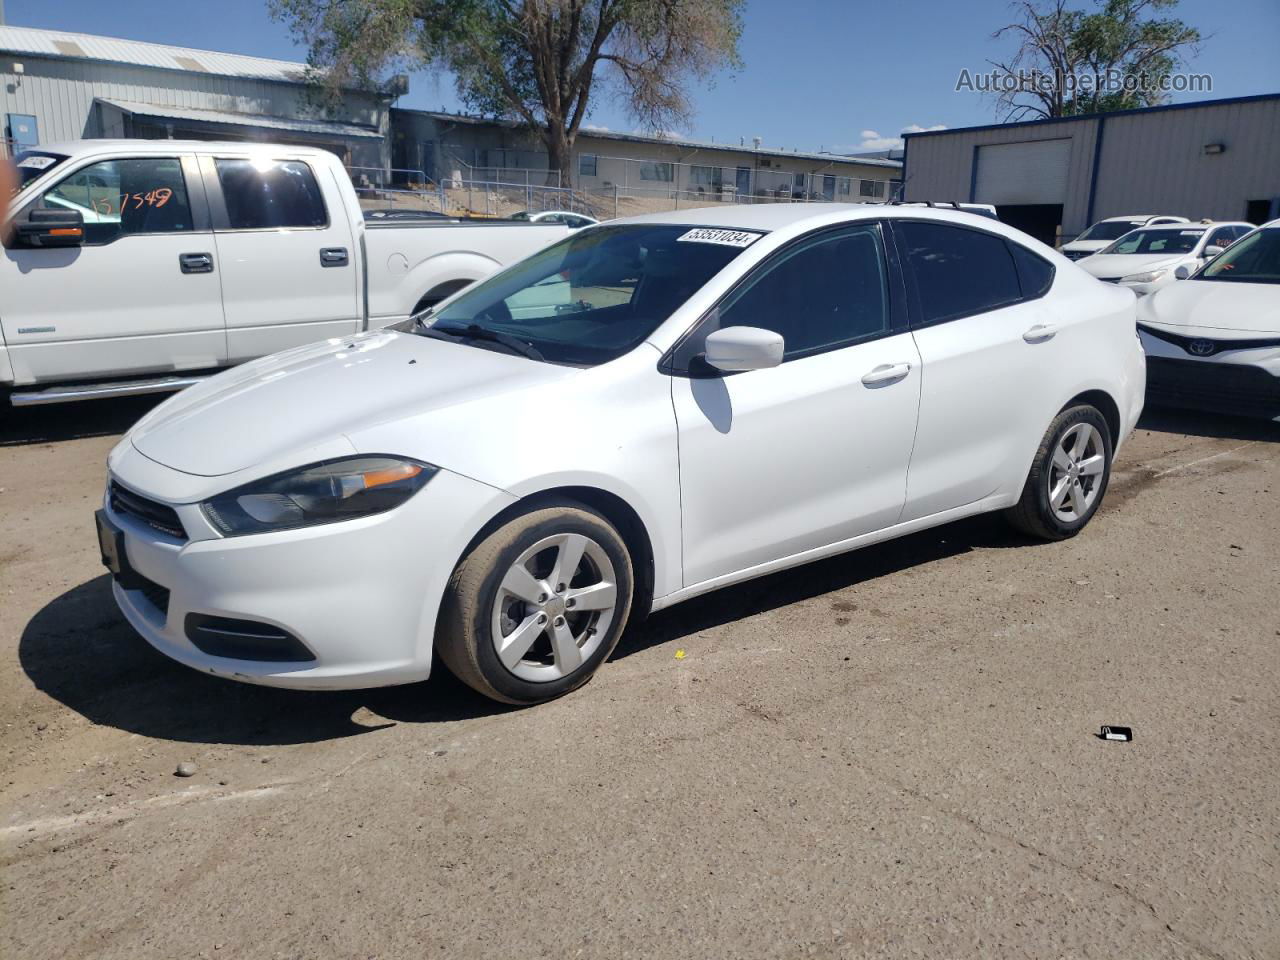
(1124,53)
(536,61)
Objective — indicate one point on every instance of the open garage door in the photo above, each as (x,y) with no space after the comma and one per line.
(1027,182)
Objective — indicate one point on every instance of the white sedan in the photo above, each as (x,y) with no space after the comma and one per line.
(706,396)
(1213,342)
(1146,259)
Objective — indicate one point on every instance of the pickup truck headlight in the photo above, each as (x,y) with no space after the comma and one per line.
(321,493)
(1149,277)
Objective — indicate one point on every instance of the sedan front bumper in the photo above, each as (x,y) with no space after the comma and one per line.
(360,597)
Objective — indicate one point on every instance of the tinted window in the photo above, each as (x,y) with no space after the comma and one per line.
(823,292)
(1255,259)
(121,197)
(596,294)
(1035,274)
(1223,237)
(958,271)
(278,193)
(1109,229)
(32,164)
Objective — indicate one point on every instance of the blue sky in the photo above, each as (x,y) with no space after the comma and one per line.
(818,73)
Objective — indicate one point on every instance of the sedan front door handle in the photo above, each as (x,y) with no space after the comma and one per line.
(885,374)
(1040,333)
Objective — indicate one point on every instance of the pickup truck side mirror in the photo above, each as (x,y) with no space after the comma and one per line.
(734,349)
(43,227)
(1182,272)
(1212,250)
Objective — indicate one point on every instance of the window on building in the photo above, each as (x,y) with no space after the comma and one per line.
(587,164)
(121,197)
(656,171)
(280,193)
(797,182)
(820,294)
(846,186)
(958,271)
(871,188)
(709,177)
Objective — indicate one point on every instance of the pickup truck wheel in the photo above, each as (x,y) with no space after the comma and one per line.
(1068,476)
(536,607)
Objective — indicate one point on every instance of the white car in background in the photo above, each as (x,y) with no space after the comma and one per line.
(574,221)
(1146,259)
(707,396)
(1105,232)
(1213,341)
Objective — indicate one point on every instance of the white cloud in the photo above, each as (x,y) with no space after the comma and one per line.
(595,127)
(871,140)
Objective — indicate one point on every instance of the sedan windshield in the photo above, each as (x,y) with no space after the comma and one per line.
(1109,229)
(1255,259)
(32,164)
(591,297)
(1156,241)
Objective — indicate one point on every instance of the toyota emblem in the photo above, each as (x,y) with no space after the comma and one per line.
(1201,348)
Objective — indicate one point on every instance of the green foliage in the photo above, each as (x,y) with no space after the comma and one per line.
(1124,38)
(536,61)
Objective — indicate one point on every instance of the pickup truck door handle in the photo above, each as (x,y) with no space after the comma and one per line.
(196,262)
(1040,333)
(333,256)
(886,374)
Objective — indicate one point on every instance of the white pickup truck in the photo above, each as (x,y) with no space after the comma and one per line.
(140,266)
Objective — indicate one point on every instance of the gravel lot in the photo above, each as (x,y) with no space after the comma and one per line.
(886,754)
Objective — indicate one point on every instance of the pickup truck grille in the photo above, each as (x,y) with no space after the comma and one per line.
(156,515)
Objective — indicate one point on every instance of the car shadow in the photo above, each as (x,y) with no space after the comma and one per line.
(80,651)
(1198,424)
(821,577)
(56,422)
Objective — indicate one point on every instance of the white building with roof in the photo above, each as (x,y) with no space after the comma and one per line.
(58,86)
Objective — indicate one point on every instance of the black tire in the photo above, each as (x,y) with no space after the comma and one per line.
(1033,514)
(465,637)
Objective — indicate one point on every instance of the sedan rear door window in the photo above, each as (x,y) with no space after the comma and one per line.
(958,271)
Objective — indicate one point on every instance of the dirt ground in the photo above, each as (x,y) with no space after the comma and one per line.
(891,753)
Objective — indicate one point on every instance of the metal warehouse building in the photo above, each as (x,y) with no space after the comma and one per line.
(1218,159)
(66,86)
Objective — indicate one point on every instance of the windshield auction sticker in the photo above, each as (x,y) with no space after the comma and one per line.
(36,162)
(726,238)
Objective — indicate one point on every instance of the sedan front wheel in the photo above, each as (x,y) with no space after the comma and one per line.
(537,606)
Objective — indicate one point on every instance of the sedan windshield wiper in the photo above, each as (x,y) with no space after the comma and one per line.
(474,331)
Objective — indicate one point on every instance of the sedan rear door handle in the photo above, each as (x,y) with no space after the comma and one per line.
(1040,333)
(886,374)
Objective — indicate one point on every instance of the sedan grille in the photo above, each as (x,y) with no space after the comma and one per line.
(157,516)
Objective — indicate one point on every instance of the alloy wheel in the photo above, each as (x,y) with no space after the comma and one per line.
(554,606)
(1076,472)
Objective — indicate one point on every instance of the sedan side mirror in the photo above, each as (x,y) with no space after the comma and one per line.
(43,227)
(1213,250)
(744,348)
(1182,272)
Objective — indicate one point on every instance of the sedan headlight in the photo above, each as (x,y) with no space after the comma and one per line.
(1150,277)
(321,493)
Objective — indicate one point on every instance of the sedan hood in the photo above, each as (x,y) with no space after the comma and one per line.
(1127,264)
(1198,307)
(311,396)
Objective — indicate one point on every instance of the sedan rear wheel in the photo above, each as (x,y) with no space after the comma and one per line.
(1068,476)
(537,606)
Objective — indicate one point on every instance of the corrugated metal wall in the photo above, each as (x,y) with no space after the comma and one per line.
(941,166)
(60,93)
(1150,162)
(1155,162)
